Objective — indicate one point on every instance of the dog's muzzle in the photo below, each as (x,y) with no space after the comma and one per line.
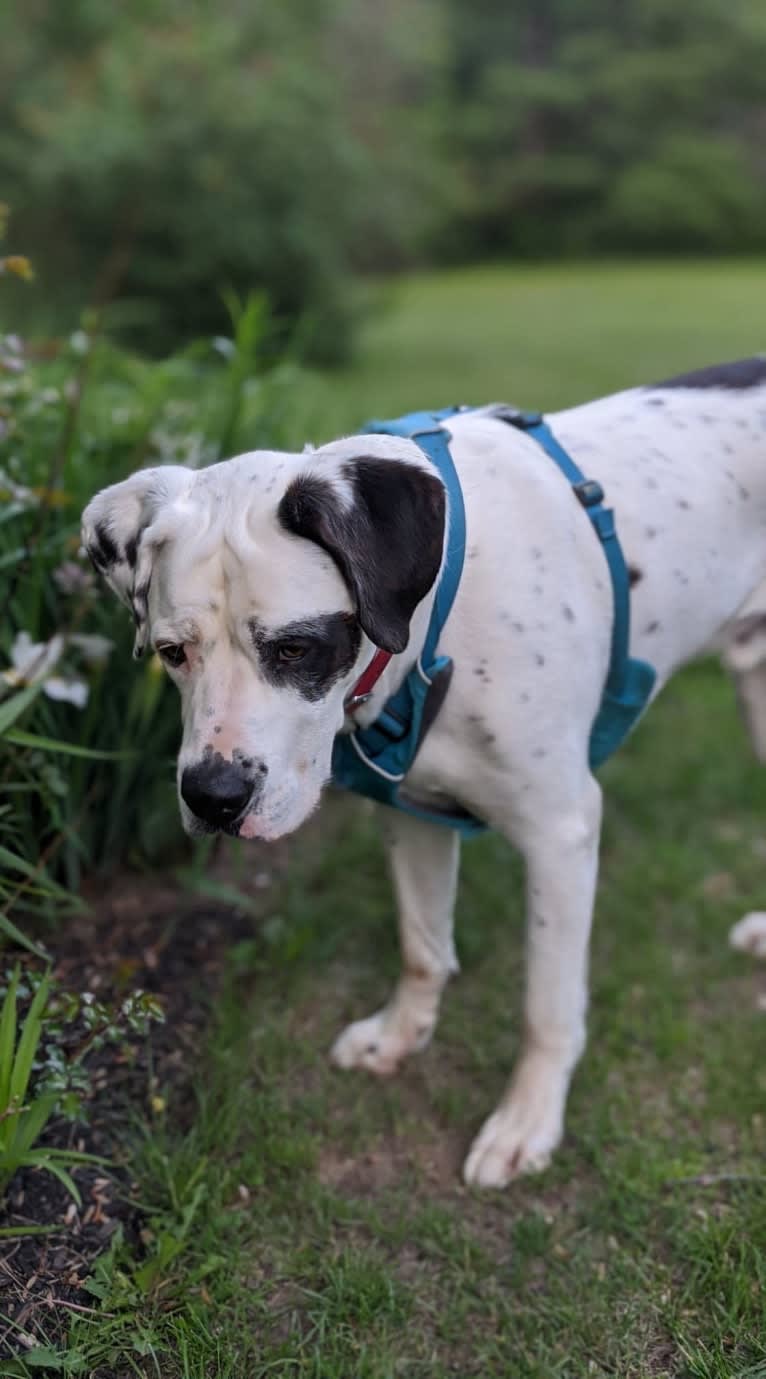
(219,792)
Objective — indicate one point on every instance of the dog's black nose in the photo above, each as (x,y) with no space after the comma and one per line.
(217,791)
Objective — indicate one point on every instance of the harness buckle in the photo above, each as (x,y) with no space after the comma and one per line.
(356,701)
(589,492)
(513,416)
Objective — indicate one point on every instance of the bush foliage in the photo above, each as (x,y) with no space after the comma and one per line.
(185,150)
(579,128)
(164,152)
(86,738)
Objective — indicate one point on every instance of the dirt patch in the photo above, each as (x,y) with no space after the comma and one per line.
(146,935)
(435,1162)
(147,932)
(42,1277)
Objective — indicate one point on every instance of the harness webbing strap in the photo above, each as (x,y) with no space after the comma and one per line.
(629,682)
(590,493)
(374,761)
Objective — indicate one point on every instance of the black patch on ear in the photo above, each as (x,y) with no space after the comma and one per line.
(634,575)
(103,551)
(107,545)
(388,545)
(140,604)
(744,373)
(131,550)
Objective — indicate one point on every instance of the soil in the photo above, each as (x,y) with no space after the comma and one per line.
(140,934)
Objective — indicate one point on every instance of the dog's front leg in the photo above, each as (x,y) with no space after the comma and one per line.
(424,864)
(561,854)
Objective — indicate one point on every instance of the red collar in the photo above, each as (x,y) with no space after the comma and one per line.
(367,681)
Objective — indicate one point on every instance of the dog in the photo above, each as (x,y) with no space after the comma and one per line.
(266,583)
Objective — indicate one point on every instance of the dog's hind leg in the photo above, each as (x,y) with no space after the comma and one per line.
(745,657)
(560,844)
(749,934)
(424,864)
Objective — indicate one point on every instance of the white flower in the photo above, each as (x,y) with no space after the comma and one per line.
(94,648)
(32,663)
(79,342)
(70,691)
(11,353)
(16,492)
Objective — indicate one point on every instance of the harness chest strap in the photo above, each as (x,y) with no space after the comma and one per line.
(373,761)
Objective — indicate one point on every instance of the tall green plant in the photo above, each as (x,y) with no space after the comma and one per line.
(86,751)
(23,1116)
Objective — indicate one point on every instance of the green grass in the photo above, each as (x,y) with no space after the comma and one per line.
(543,337)
(312,1224)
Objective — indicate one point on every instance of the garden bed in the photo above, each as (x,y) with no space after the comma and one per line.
(142,934)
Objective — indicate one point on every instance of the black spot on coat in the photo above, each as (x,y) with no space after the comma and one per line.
(742,374)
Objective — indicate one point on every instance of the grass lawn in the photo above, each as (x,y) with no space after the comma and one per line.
(316,1222)
(543,337)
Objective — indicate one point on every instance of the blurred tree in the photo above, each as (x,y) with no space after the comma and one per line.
(627,124)
(165,150)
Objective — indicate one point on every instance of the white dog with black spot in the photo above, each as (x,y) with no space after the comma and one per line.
(267,583)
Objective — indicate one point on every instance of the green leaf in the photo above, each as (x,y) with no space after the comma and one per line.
(20,864)
(30,1123)
(41,1159)
(15,934)
(11,1232)
(18,738)
(74,1156)
(222,891)
(45,1357)
(8,1039)
(13,708)
(28,1042)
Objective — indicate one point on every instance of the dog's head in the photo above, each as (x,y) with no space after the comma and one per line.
(264,583)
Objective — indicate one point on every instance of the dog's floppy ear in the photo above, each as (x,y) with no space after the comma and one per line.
(387,541)
(120,534)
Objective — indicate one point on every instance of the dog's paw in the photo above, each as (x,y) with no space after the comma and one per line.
(507,1146)
(379,1043)
(519,1137)
(749,934)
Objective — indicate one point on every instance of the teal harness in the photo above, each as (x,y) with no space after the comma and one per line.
(374,761)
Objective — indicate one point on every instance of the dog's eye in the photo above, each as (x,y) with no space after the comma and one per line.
(172,654)
(290,652)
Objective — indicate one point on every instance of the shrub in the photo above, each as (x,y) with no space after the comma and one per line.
(41,1073)
(86,750)
(181,151)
